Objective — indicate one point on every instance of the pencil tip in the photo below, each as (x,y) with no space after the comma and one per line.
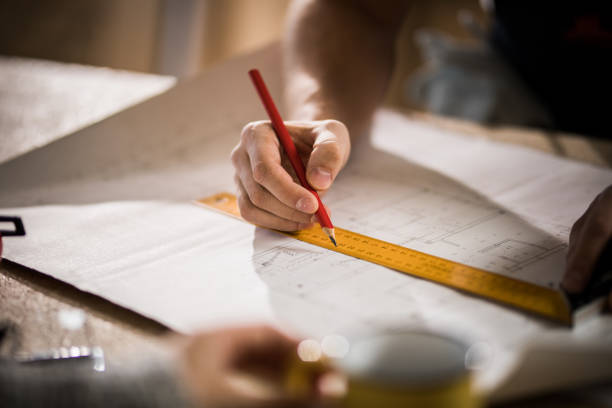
(331,234)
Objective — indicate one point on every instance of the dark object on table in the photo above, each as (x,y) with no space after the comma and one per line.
(600,283)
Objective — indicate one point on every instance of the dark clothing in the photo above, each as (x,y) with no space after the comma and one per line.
(563,51)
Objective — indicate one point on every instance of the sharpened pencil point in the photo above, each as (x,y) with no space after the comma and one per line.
(331,234)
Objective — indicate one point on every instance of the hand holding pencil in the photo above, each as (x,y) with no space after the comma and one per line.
(269,195)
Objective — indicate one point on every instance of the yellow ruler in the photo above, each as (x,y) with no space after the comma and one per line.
(533,298)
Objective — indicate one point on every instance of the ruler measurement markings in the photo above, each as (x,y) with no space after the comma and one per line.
(523,295)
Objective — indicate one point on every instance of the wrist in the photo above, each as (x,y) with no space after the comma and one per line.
(307,103)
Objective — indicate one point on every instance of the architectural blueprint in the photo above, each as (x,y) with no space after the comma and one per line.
(116,220)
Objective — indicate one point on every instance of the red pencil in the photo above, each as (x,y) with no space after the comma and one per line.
(285,139)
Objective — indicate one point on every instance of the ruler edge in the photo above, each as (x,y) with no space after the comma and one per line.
(560,299)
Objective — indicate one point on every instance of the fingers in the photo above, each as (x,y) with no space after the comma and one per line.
(260,198)
(243,367)
(330,152)
(256,372)
(265,160)
(588,238)
(264,218)
(268,194)
(263,345)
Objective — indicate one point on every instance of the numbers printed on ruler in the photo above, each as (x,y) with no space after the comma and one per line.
(519,294)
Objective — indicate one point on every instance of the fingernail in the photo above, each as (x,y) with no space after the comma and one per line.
(320,178)
(306,205)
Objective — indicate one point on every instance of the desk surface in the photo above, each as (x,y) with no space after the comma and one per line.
(42,101)
(32,301)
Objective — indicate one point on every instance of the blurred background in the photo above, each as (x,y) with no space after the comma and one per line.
(182,38)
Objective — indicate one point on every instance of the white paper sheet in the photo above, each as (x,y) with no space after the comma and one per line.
(42,100)
(117,222)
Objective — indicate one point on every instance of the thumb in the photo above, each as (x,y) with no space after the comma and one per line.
(329,154)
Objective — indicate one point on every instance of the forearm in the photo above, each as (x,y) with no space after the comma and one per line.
(339,58)
(338,55)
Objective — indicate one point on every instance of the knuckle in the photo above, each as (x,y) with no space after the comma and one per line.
(332,153)
(235,154)
(263,133)
(258,197)
(261,171)
(247,130)
(245,207)
(335,126)
(253,129)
